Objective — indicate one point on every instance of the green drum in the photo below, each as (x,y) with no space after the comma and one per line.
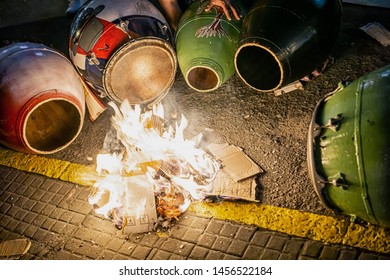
(349,149)
(284,40)
(205,45)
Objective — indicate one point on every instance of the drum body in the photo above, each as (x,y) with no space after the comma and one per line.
(282,41)
(349,149)
(123,50)
(42,102)
(205,45)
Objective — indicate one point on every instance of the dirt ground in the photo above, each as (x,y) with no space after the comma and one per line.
(271,129)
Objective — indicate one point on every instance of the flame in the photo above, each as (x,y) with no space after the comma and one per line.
(152,158)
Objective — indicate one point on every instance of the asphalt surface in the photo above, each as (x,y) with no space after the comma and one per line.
(55,215)
(272,130)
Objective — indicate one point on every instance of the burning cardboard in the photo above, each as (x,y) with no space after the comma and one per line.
(150,173)
(127,200)
(149,167)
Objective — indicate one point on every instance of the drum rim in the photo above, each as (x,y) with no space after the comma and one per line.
(317,180)
(268,50)
(31,106)
(130,44)
(213,66)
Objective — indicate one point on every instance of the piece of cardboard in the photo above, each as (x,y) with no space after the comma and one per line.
(14,247)
(289,88)
(140,209)
(94,105)
(225,186)
(235,162)
(128,200)
(378,32)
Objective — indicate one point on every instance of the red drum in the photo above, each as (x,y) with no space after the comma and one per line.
(123,50)
(42,103)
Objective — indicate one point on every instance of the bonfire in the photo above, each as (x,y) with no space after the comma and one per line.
(149,168)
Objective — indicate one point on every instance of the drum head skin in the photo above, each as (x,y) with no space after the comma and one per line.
(141,71)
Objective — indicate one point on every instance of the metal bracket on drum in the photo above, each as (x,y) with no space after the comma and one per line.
(318,181)
(338,181)
(123,24)
(92,59)
(332,123)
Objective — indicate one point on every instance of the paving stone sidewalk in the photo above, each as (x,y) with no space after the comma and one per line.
(62,225)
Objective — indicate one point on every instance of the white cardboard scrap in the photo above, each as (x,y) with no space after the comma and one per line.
(223,185)
(378,32)
(94,106)
(14,247)
(289,88)
(140,208)
(234,161)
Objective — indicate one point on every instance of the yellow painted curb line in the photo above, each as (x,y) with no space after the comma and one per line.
(321,228)
(31,163)
(52,168)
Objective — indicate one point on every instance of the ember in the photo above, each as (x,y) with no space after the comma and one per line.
(150,167)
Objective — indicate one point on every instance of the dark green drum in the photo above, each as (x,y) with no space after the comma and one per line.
(283,40)
(205,45)
(349,149)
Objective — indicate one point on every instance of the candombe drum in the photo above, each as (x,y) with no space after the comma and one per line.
(205,45)
(349,149)
(282,41)
(123,50)
(42,103)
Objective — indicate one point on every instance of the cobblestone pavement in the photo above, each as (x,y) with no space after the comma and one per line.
(62,225)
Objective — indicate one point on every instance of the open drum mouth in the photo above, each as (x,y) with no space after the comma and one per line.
(202,78)
(52,126)
(258,67)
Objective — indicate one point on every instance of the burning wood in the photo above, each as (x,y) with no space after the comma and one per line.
(169,205)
